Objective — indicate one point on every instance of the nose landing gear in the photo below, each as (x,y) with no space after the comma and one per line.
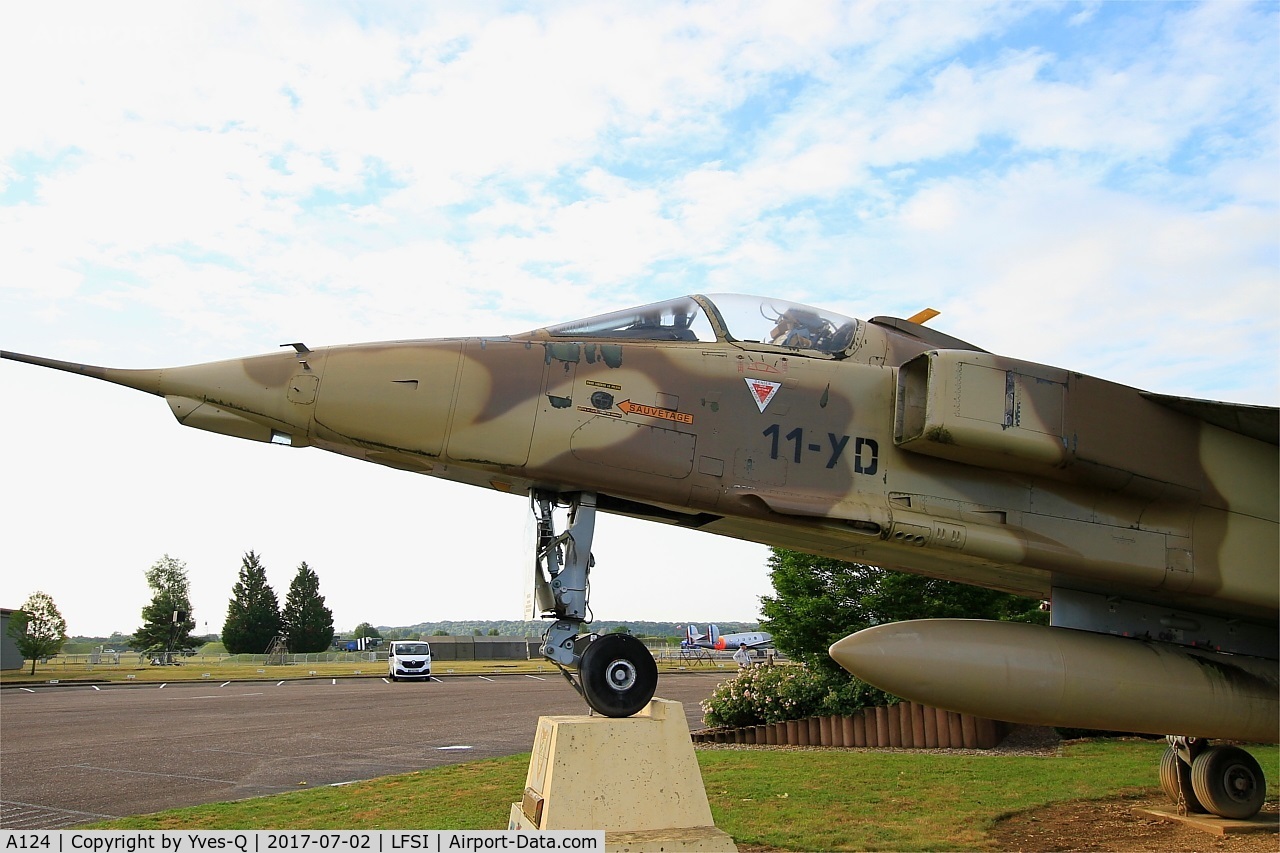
(616,673)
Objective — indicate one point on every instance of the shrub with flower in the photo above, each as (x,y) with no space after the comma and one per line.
(770,694)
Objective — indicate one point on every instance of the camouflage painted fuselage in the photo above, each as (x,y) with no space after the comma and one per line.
(881,442)
(953,463)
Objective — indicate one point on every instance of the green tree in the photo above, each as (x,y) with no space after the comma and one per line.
(38,629)
(307,622)
(819,600)
(253,614)
(167,622)
(364,629)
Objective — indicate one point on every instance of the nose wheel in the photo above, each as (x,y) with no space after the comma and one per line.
(618,675)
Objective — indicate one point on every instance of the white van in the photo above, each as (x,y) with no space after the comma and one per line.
(408,659)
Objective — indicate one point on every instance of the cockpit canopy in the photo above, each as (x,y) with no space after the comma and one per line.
(727,317)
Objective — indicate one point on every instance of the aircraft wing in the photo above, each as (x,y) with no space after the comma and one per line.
(1257,422)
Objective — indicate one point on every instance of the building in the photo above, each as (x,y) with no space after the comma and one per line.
(10,657)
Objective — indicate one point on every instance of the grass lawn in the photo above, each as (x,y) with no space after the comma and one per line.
(781,799)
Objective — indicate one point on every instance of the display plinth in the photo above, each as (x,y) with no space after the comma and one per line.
(636,778)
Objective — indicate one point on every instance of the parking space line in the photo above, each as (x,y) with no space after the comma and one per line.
(16,815)
(148,773)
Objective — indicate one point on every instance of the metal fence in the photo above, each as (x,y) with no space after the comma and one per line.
(443,649)
(136,659)
(322,657)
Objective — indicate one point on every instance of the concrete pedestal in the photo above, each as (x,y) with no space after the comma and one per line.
(634,777)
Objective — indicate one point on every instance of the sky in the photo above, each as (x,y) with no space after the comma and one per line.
(1087,185)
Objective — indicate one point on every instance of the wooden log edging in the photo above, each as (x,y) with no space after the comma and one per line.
(906,725)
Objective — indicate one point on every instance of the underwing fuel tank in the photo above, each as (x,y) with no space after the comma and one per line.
(1040,675)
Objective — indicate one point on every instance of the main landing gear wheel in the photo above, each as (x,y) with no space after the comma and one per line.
(1228,781)
(1178,790)
(618,675)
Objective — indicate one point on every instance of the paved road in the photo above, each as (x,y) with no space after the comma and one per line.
(73,754)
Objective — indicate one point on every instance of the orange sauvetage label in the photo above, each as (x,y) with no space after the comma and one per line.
(654,412)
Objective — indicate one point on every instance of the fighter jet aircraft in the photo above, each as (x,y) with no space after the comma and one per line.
(1149,522)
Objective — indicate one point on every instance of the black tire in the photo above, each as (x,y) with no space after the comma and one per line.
(1170,769)
(618,675)
(1229,782)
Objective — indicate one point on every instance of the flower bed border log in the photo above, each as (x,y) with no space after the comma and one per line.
(906,725)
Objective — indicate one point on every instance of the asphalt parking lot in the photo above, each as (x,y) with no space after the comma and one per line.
(73,754)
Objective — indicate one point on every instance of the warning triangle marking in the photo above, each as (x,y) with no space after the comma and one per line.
(762,391)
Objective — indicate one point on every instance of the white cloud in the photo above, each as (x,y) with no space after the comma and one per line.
(1100,281)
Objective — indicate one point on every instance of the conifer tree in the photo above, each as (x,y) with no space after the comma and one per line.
(253,614)
(307,622)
